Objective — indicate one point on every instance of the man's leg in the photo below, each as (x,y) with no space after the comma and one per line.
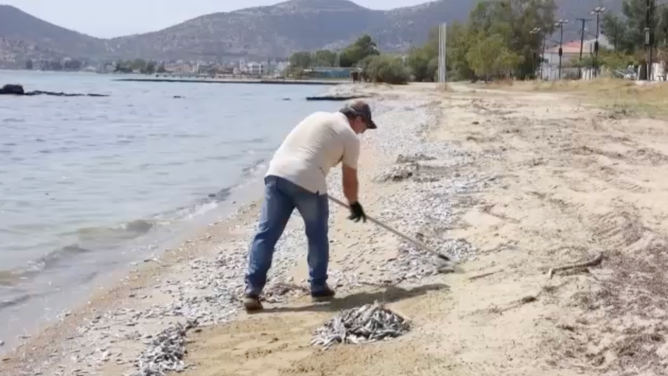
(276,210)
(314,209)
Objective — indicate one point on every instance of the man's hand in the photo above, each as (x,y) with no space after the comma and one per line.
(357,213)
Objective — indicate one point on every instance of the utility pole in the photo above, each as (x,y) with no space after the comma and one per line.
(615,33)
(649,35)
(560,25)
(597,11)
(537,30)
(582,38)
(543,59)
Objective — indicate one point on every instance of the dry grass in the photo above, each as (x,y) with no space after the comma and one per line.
(637,97)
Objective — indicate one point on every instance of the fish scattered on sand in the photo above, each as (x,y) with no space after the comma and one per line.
(369,323)
(165,353)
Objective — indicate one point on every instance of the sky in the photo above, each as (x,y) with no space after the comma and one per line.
(106,19)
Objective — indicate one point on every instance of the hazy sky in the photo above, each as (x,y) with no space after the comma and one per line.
(103,18)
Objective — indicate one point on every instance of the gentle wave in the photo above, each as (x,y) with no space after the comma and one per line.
(113,235)
(16,300)
(254,168)
(96,239)
(13,120)
(49,261)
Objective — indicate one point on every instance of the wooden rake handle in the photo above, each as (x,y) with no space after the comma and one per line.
(390,229)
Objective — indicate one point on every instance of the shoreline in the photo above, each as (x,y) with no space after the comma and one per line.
(503,182)
(203,278)
(67,336)
(67,269)
(61,336)
(235,81)
(146,249)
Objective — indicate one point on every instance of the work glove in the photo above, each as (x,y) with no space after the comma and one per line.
(357,213)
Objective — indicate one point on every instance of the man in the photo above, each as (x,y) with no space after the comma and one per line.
(297,179)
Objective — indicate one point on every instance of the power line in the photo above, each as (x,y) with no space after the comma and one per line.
(649,34)
(597,11)
(560,25)
(537,30)
(582,36)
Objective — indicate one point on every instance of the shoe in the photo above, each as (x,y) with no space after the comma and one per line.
(252,303)
(323,295)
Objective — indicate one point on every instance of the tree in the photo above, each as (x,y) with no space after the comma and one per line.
(458,43)
(161,68)
(148,68)
(302,59)
(72,65)
(488,57)
(611,59)
(419,62)
(626,32)
(385,68)
(617,32)
(54,65)
(138,65)
(512,21)
(123,66)
(363,47)
(433,67)
(29,64)
(325,58)
(459,40)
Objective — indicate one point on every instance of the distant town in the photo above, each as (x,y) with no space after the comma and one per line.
(243,67)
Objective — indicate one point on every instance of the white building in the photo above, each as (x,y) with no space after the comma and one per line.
(282,67)
(570,54)
(254,68)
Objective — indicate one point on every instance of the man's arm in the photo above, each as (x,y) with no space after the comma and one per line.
(349,169)
(350,183)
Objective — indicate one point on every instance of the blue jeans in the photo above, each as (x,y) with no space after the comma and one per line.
(281,197)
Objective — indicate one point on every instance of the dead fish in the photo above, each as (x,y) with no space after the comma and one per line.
(369,323)
(165,352)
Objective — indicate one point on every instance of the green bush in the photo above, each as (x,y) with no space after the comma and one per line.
(385,69)
(421,64)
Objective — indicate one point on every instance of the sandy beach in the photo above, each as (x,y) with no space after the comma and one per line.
(517,187)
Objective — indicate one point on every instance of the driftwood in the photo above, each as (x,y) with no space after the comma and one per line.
(334,97)
(479,276)
(593,262)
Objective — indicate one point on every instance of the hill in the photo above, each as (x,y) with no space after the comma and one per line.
(295,25)
(259,32)
(23,36)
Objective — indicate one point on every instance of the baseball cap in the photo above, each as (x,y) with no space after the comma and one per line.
(361,108)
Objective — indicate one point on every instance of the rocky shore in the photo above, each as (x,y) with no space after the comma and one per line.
(140,327)
(18,90)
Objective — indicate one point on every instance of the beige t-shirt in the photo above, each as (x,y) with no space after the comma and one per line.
(313,147)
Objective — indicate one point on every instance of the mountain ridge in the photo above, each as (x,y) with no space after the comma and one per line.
(273,31)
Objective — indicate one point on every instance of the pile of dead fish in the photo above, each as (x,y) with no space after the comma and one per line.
(166,352)
(369,323)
